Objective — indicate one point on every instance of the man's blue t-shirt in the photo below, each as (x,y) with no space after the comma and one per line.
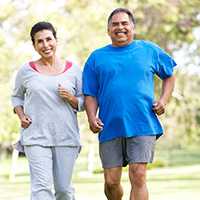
(122,80)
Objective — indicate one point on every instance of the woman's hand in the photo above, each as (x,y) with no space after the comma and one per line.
(64,94)
(67,96)
(25,121)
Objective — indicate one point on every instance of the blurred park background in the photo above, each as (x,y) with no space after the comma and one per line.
(81,27)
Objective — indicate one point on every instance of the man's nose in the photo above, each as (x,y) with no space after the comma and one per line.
(120,26)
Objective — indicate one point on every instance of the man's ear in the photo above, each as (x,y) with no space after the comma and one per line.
(108,31)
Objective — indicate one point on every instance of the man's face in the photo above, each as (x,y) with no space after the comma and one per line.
(121,29)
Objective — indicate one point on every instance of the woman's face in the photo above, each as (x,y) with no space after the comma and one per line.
(45,43)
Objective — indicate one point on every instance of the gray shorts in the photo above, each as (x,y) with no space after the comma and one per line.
(122,151)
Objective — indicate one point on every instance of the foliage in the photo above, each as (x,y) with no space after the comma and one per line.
(183,118)
(81,27)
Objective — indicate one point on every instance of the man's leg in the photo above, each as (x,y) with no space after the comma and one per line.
(112,158)
(112,187)
(140,151)
(137,175)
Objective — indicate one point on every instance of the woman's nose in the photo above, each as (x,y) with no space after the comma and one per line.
(45,43)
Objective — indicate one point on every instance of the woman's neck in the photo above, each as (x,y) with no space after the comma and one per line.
(49,62)
(50,66)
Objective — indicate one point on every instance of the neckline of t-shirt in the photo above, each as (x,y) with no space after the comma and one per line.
(123,48)
(68,65)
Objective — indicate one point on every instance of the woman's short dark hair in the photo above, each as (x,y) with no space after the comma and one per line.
(121,10)
(41,26)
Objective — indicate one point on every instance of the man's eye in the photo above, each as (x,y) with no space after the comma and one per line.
(115,24)
(125,23)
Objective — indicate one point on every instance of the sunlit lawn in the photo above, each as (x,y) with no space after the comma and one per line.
(172,183)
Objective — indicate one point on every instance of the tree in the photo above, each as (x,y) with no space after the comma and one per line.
(81,27)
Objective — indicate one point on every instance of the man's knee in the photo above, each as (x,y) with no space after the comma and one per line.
(138,176)
(111,184)
(113,190)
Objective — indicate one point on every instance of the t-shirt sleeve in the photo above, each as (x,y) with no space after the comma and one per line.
(17,97)
(90,81)
(79,94)
(164,63)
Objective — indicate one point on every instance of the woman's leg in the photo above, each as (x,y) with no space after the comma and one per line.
(40,164)
(63,163)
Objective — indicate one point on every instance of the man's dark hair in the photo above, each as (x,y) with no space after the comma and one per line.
(121,10)
(41,26)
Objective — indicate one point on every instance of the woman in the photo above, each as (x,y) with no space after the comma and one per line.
(46,97)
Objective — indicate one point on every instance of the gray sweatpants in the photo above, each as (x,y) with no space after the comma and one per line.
(51,166)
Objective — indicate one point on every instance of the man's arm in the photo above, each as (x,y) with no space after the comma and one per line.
(167,89)
(91,107)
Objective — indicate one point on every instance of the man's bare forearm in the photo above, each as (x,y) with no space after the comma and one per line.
(167,89)
(91,106)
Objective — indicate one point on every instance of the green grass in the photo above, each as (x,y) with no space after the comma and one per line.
(177,157)
(178,178)
(175,183)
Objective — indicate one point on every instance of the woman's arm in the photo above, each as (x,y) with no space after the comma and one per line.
(71,99)
(24,119)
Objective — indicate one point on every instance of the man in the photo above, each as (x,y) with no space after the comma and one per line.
(118,79)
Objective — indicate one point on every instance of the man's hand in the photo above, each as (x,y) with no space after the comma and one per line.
(25,121)
(167,88)
(159,107)
(96,125)
(91,107)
